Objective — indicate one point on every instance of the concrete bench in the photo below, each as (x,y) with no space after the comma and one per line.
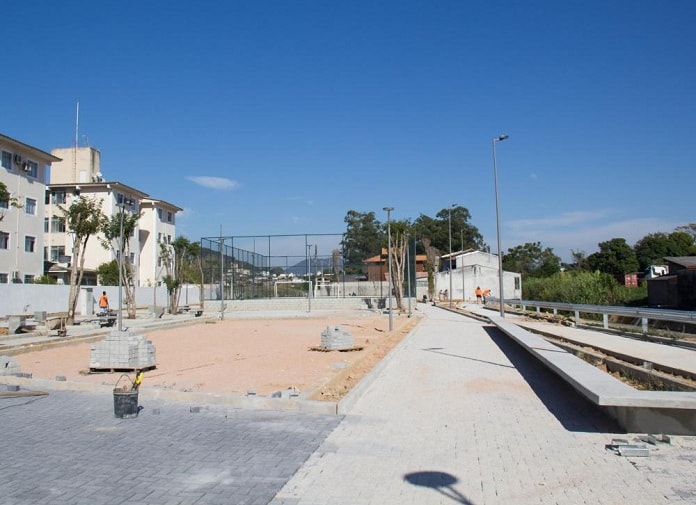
(16,322)
(635,410)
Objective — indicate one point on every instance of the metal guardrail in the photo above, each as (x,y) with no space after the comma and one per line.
(645,314)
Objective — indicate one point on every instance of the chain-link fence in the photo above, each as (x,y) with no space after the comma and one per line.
(272,266)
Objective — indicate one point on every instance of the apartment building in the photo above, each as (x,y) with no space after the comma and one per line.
(79,175)
(24,170)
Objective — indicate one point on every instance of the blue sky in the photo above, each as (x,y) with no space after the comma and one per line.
(277,117)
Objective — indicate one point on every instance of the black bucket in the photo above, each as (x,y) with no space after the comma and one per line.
(125,404)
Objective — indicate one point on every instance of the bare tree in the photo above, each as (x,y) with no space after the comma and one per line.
(399,244)
(432,259)
(83,219)
(177,258)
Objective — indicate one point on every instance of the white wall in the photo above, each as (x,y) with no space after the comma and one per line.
(30,298)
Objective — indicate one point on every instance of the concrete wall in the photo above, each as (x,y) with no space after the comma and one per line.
(466,279)
(30,298)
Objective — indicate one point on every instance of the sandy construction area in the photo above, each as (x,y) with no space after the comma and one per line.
(240,355)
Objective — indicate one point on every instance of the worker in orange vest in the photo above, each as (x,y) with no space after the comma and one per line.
(479,294)
(103,304)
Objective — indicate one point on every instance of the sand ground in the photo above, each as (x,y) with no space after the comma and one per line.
(263,355)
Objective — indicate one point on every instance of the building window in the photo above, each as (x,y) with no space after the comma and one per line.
(4,240)
(169,217)
(57,224)
(131,258)
(4,278)
(159,238)
(57,197)
(30,206)
(33,169)
(517,283)
(159,214)
(29,244)
(28,279)
(7,160)
(169,239)
(56,252)
(45,225)
(4,204)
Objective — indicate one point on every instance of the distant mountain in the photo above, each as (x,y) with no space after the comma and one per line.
(300,268)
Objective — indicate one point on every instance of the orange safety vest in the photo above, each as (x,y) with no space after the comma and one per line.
(103,301)
(478,291)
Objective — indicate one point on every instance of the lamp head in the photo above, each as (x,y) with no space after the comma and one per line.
(501,138)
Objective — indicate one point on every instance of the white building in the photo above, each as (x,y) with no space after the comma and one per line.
(79,175)
(472,269)
(24,170)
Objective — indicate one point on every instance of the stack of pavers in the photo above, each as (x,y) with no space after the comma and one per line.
(122,350)
(336,339)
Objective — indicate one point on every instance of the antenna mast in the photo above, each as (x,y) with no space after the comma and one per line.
(74,157)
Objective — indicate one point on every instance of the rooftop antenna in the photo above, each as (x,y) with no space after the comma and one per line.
(74,159)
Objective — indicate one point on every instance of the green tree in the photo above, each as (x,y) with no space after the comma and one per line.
(531,260)
(615,257)
(108,273)
(44,279)
(362,239)
(83,218)
(653,248)
(464,235)
(122,226)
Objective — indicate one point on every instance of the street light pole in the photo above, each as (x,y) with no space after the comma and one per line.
(309,278)
(408,272)
(501,296)
(450,256)
(389,256)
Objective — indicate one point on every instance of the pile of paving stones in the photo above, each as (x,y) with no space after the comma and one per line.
(336,339)
(122,350)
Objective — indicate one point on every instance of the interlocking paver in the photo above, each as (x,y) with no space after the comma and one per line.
(67,448)
(485,424)
(458,415)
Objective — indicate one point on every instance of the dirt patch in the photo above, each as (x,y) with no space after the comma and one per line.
(242,355)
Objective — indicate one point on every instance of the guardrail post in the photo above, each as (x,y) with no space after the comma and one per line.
(538,309)
(605,318)
(644,323)
(555,312)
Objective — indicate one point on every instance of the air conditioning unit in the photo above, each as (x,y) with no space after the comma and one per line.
(26,167)
(15,274)
(17,159)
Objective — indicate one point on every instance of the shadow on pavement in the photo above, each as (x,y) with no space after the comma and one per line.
(440,481)
(439,350)
(572,410)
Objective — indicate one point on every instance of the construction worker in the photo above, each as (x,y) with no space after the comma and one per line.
(479,294)
(103,304)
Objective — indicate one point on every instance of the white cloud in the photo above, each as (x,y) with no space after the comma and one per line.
(214,182)
(581,230)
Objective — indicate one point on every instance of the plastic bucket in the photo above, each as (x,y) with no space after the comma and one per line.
(125,404)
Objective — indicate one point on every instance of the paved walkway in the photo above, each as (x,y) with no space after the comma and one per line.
(462,415)
(458,415)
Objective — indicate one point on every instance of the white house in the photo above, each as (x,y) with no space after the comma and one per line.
(472,269)
(24,170)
